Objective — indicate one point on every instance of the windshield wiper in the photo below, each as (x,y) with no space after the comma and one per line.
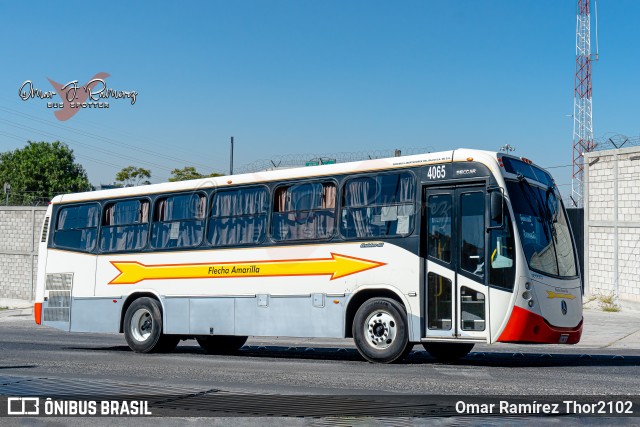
(552,216)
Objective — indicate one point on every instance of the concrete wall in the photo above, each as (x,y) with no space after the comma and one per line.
(20,232)
(612,222)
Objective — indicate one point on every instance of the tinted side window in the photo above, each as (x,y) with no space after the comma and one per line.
(178,221)
(238,217)
(378,205)
(304,211)
(77,227)
(125,226)
(439,226)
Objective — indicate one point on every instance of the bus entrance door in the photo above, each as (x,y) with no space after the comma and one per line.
(457,305)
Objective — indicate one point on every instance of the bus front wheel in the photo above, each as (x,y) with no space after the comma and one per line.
(447,352)
(380,331)
(143,327)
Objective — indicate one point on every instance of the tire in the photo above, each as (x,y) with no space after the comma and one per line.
(221,344)
(447,352)
(143,327)
(380,331)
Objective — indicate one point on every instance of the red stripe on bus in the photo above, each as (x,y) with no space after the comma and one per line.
(525,326)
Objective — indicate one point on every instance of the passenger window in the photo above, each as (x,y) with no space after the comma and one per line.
(238,217)
(125,226)
(178,221)
(378,206)
(472,231)
(304,211)
(77,227)
(439,227)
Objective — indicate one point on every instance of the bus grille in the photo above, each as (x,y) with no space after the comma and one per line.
(57,314)
(59,307)
(45,230)
(59,282)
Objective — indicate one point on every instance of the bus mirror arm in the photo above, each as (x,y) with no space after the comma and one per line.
(496,208)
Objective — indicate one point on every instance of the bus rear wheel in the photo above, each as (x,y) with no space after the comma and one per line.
(380,331)
(143,327)
(447,352)
(221,344)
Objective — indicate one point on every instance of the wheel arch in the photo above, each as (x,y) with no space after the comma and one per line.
(365,293)
(134,296)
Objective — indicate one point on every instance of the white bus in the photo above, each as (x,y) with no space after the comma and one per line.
(445,249)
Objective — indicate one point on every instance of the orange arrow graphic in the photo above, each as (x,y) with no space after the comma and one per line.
(337,266)
(551,294)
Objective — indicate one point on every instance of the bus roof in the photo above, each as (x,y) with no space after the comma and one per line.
(488,158)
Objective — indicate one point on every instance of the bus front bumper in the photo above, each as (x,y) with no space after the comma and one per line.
(527,327)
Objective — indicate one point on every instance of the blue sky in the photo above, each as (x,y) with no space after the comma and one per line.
(286,76)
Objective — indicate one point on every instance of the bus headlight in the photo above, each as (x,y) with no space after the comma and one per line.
(528,296)
(527,286)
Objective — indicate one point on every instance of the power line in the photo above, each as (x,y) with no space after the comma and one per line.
(111,141)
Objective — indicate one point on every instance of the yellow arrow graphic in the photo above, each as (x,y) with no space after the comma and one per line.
(551,294)
(337,266)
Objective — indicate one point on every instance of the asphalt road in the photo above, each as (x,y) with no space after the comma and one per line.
(301,382)
(326,367)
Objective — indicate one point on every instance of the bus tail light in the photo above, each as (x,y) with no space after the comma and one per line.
(37,312)
(527,161)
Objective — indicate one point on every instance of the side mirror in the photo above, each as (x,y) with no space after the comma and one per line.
(496,208)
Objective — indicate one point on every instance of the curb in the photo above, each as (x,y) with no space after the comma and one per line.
(13,312)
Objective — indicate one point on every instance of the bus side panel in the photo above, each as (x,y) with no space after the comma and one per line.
(293,303)
(176,315)
(212,316)
(96,315)
(290,316)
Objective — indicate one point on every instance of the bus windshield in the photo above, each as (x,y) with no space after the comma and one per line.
(543,227)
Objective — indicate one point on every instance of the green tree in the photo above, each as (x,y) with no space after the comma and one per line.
(188,172)
(41,170)
(131,176)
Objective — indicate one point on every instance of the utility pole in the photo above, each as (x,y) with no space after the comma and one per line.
(231,159)
(7,189)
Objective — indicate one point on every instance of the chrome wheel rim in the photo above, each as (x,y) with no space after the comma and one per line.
(141,324)
(380,329)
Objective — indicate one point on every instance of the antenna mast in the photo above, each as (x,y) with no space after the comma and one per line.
(582,115)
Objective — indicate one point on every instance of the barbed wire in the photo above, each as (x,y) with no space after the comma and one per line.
(297,160)
(615,141)
(27,198)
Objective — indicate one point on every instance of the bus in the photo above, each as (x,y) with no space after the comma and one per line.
(445,249)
